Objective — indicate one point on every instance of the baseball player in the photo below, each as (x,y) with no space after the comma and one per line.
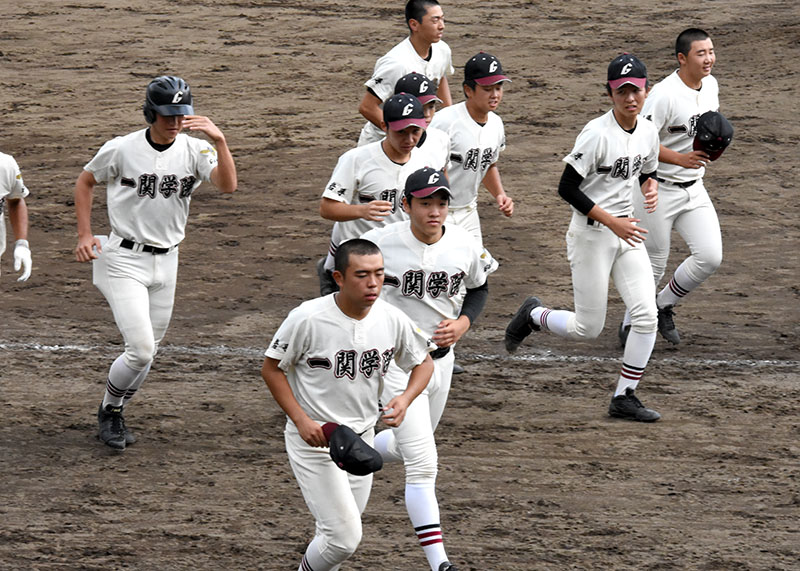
(150,176)
(427,263)
(365,187)
(423,51)
(326,363)
(613,155)
(12,193)
(477,137)
(433,143)
(674,105)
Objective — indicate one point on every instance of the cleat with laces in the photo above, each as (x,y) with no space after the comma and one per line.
(629,407)
(666,325)
(521,325)
(447,566)
(112,426)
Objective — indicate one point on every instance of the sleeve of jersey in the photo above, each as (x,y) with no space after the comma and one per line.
(287,344)
(384,77)
(569,188)
(583,157)
(342,183)
(482,266)
(15,186)
(502,146)
(412,344)
(207,159)
(102,164)
(657,109)
(651,162)
(450,70)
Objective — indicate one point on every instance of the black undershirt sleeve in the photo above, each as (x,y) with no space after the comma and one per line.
(645,175)
(474,302)
(569,188)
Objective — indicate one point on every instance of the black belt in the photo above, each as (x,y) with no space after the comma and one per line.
(440,352)
(592,221)
(678,184)
(131,245)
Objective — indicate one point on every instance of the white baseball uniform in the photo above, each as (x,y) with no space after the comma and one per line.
(683,201)
(335,366)
(365,173)
(401,60)
(148,196)
(473,149)
(424,282)
(11,186)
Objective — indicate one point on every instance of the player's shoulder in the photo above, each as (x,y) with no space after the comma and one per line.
(710,82)
(311,308)
(385,234)
(448,115)
(6,160)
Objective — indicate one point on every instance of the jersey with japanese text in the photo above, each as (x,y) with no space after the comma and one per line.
(149,191)
(335,364)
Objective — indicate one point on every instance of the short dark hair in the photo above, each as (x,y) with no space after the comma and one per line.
(357,246)
(416,9)
(683,45)
(471,83)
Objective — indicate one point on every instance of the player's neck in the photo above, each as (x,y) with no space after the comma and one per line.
(394,155)
(349,309)
(428,236)
(627,123)
(688,80)
(477,115)
(422,47)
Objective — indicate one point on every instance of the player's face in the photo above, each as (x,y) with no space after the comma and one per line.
(485,98)
(361,283)
(431,28)
(628,101)
(701,58)
(427,216)
(164,130)
(403,142)
(429,109)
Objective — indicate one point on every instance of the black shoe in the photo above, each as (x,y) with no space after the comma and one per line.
(457,369)
(447,566)
(623,333)
(130,437)
(521,325)
(629,407)
(112,426)
(666,325)
(326,282)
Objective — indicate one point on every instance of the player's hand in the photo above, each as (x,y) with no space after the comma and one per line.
(204,125)
(85,250)
(627,229)
(505,204)
(694,160)
(650,193)
(22,259)
(449,331)
(376,210)
(311,433)
(395,411)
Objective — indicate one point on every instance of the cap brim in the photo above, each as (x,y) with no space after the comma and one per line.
(639,82)
(712,155)
(425,99)
(491,80)
(404,123)
(429,190)
(171,110)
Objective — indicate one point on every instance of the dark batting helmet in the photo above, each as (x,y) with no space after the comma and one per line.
(167,95)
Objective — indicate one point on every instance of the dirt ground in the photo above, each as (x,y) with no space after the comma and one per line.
(533,474)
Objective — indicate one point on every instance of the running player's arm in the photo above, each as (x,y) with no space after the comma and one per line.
(370,108)
(224,174)
(374,210)
(278,385)
(84,193)
(18,216)
(417,381)
(443,92)
(492,182)
(690,160)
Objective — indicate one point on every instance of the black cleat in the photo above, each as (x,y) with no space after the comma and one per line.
(666,325)
(326,282)
(112,426)
(623,334)
(457,369)
(447,566)
(521,325)
(629,407)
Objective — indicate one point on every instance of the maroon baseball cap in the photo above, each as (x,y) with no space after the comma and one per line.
(627,68)
(419,86)
(403,110)
(425,182)
(484,69)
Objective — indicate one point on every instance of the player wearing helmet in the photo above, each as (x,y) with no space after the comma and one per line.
(150,176)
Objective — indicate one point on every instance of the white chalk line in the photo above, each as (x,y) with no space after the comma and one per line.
(544,357)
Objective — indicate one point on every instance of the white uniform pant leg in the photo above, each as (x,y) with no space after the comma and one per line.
(591,251)
(699,227)
(467,218)
(140,289)
(2,232)
(335,498)
(633,280)
(336,239)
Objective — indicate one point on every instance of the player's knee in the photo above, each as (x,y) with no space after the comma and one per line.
(139,355)
(588,329)
(644,316)
(345,540)
(421,466)
(708,263)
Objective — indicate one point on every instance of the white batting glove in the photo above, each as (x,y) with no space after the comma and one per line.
(22,259)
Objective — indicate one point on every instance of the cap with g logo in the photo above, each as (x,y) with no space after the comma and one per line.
(419,86)
(403,110)
(484,69)
(627,68)
(425,182)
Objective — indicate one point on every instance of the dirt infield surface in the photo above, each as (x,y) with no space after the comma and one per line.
(534,474)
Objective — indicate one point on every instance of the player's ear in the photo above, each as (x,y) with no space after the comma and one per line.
(681,58)
(338,277)
(384,127)
(406,205)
